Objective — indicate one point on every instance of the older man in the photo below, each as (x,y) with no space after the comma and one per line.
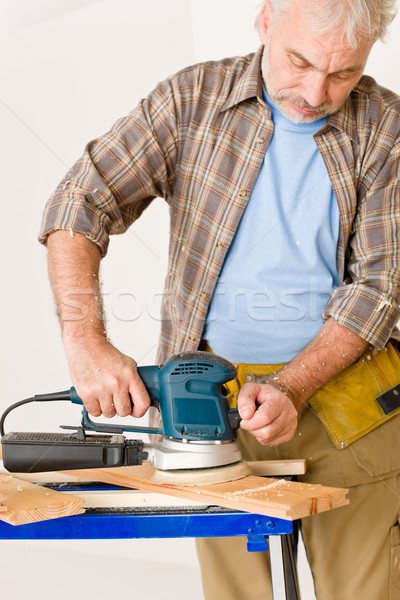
(281,170)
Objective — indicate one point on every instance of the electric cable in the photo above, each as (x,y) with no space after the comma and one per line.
(56,396)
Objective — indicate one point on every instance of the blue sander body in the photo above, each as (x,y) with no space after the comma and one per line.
(197,429)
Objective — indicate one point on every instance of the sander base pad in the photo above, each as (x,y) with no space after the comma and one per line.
(222,474)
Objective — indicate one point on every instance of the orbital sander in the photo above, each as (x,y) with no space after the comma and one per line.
(195,442)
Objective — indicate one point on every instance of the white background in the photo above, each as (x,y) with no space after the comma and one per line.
(69,68)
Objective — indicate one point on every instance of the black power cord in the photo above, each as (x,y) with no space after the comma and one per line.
(56,396)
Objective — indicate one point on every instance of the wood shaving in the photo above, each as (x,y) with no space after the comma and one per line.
(261,489)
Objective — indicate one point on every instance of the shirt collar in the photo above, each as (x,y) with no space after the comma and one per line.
(249,86)
(344,119)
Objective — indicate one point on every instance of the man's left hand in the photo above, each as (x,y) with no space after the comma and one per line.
(267,413)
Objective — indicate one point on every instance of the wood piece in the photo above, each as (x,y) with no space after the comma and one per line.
(274,468)
(25,502)
(270,497)
(133,499)
(49,477)
(2,499)
(263,468)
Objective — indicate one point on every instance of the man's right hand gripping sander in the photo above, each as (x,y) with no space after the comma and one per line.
(196,440)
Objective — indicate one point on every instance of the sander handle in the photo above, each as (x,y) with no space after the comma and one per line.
(187,392)
(150,377)
(234,418)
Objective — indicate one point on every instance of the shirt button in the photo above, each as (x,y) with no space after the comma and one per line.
(204,295)
(242,193)
(260,140)
(192,338)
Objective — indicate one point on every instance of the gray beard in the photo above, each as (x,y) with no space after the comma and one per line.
(279,97)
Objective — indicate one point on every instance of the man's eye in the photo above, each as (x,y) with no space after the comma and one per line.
(299,65)
(342,76)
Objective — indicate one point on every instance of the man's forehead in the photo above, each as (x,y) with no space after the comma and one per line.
(328,51)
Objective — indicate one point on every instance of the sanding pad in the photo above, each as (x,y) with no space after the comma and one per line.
(202,476)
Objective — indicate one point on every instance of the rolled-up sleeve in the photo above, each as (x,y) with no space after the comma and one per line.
(368,302)
(119,173)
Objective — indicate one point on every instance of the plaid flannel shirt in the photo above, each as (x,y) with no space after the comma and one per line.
(199,140)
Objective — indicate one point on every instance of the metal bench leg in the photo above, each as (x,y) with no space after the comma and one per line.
(283,567)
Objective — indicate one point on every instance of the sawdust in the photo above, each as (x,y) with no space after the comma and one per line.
(280,483)
(5,478)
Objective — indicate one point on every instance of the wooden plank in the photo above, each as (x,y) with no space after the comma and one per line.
(134,499)
(274,468)
(23,502)
(262,468)
(270,497)
(49,477)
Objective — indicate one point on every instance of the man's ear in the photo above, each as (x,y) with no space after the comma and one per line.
(265,21)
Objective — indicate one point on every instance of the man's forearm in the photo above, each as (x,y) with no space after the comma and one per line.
(73,263)
(333,349)
(106,380)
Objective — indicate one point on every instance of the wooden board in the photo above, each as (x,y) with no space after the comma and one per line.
(276,468)
(271,497)
(49,477)
(105,498)
(2,500)
(263,468)
(134,499)
(23,502)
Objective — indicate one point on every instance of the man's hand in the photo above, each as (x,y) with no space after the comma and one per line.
(333,349)
(105,379)
(267,413)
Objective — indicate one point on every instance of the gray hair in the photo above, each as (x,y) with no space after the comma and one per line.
(354,18)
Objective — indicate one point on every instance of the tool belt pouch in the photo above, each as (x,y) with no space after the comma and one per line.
(347,405)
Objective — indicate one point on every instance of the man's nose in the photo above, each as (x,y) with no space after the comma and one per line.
(314,89)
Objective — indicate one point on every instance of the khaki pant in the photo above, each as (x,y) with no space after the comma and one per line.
(353,551)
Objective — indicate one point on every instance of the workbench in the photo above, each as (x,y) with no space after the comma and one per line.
(119,522)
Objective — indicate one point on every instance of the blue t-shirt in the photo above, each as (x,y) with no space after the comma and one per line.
(281,266)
